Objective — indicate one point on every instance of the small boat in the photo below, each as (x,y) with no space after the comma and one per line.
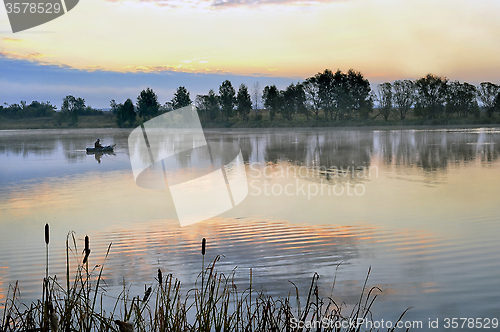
(108,148)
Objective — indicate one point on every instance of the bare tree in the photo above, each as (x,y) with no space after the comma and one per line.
(404,96)
(461,99)
(384,97)
(256,96)
(311,90)
(487,94)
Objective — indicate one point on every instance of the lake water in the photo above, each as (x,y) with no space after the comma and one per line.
(420,207)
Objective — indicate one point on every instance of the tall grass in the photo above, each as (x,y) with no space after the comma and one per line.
(215,305)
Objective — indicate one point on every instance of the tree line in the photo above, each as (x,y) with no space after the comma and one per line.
(23,110)
(431,97)
(326,96)
(71,108)
(337,95)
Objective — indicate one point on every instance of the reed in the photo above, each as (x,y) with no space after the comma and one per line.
(218,305)
(45,294)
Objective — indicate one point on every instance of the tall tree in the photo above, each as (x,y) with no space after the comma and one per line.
(80,105)
(147,104)
(272,100)
(114,106)
(116,109)
(384,96)
(327,91)
(227,98)
(431,96)
(208,106)
(256,96)
(199,103)
(404,96)
(70,107)
(244,102)
(125,113)
(301,101)
(461,99)
(342,95)
(129,112)
(359,91)
(294,102)
(212,105)
(289,107)
(181,98)
(487,94)
(311,90)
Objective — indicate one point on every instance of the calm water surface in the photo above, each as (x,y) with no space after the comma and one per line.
(420,207)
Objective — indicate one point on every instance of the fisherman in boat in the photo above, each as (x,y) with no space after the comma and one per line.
(97,144)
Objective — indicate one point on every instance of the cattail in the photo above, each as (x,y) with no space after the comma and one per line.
(86,250)
(86,257)
(203,244)
(86,243)
(146,295)
(160,277)
(47,238)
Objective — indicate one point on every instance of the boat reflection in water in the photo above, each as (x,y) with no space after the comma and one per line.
(98,155)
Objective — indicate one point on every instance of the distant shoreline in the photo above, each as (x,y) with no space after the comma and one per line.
(85,122)
(101,122)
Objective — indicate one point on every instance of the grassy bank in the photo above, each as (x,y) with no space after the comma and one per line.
(215,303)
(105,121)
(354,123)
(301,121)
(109,121)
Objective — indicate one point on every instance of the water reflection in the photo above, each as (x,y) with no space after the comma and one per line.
(274,250)
(429,150)
(25,145)
(98,155)
(338,148)
(47,143)
(435,150)
(427,224)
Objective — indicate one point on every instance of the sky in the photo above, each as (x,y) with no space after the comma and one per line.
(112,49)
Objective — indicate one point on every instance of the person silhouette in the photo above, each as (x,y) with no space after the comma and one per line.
(97,144)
